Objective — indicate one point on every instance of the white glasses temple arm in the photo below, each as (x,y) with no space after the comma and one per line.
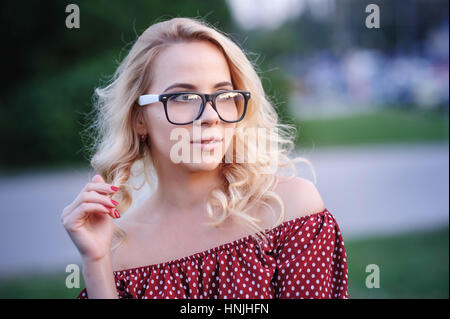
(148,99)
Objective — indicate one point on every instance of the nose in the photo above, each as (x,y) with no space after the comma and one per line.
(209,114)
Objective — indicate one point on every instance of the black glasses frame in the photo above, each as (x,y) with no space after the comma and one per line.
(205,98)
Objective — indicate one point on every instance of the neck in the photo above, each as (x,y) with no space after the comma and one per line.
(184,191)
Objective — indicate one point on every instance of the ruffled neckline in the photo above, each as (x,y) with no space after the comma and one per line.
(218,248)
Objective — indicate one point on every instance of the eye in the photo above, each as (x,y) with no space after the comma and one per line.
(228,95)
(185,97)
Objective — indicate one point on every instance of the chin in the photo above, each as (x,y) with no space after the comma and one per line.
(204,166)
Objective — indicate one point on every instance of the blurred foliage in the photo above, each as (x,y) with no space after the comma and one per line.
(44,46)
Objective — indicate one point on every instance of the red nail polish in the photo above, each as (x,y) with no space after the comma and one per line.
(114,202)
(114,188)
(116,213)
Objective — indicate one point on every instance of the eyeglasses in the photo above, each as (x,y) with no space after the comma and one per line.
(183,108)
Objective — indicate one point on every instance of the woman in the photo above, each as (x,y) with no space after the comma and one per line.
(223,225)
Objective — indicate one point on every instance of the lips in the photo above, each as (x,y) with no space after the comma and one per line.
(211,139)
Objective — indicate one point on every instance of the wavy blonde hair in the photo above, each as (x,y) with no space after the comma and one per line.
(117,146)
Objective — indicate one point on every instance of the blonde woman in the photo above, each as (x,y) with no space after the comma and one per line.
(224,226)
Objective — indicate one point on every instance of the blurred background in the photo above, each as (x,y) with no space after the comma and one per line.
(370,106)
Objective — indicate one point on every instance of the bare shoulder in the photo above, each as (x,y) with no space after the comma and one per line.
(300,197)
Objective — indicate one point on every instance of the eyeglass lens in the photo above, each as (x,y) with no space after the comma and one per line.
(184,108)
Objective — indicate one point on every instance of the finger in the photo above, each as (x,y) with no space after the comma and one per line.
(98,179)
(92,208)
(72,219)
(94,197)
(103,188)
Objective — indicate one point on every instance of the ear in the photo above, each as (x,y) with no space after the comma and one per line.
(140,123)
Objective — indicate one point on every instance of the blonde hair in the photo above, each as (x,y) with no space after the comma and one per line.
(117,146)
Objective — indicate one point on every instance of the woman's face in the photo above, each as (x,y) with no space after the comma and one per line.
(196,66)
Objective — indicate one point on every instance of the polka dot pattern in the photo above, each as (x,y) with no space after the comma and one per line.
(304,258)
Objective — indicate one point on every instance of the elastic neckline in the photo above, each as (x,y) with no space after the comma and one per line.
(217,248)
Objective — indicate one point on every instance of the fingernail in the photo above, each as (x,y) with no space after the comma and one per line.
(114,188)
(116,213)
(114,202)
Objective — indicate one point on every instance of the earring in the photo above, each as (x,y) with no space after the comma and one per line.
(143,138)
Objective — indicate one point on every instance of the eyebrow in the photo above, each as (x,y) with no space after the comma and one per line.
(193,87)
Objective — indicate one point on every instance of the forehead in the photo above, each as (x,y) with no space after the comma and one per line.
(196,62)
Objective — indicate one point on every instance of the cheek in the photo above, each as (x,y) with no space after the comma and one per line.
(159,131)
(228,134)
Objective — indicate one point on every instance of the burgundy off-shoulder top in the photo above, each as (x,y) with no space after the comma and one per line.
(304,258)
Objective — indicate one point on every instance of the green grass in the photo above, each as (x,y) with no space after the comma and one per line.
(381,126)
(38,286)
(413,265)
